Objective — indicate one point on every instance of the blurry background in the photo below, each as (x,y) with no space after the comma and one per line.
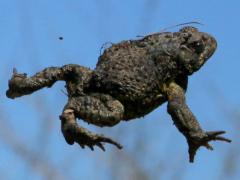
(31,143)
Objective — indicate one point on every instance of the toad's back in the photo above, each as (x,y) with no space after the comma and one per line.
(128,72)
(132,69)
(125,70)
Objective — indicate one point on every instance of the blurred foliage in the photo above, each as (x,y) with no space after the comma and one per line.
(43,154)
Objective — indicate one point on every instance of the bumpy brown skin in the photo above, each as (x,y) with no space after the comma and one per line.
(131,79)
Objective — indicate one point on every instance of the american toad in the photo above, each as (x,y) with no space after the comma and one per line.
(131,79)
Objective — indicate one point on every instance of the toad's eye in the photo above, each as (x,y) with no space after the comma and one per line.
(186,35)
(198,46)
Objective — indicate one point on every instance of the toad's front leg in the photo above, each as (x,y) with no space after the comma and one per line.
(187,123)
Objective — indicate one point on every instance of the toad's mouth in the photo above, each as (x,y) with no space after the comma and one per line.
(208,50)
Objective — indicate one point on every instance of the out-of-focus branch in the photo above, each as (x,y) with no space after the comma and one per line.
(230,163)
(45,124)
(150,8)
(128,164)
(13,141)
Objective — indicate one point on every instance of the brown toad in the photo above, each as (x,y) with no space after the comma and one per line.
(131,79)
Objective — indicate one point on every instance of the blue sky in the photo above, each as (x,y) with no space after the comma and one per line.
(29,41)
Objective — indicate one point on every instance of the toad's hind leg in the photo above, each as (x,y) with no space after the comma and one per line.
(98,109)
(20,84)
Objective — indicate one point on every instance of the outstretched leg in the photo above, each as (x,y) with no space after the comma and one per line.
(20,84)
(187,123)
(98,109)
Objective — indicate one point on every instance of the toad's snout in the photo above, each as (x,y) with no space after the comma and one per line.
(210,45)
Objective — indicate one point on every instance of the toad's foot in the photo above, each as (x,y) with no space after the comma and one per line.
(197,142)
(17,80)
(74,133)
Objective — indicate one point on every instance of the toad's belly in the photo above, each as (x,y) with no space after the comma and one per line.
(141,107)
(138,97)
